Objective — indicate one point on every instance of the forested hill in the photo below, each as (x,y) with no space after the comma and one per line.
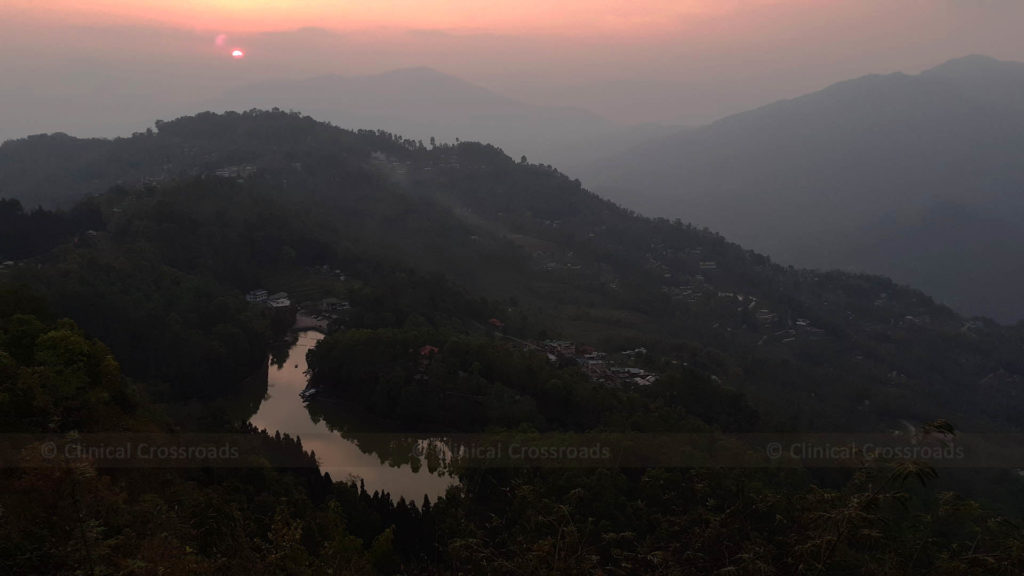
(458,263)
(57,170)
(238,199)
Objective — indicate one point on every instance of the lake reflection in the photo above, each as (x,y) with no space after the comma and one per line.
(285,411)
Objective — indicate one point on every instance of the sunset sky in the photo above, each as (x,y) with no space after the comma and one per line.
(504,16)
(660,61)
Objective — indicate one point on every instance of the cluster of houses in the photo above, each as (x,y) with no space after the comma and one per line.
(637,376)
(402,168)
(597,365)
(239,172)
(326,306)
(275,300)
(802,328)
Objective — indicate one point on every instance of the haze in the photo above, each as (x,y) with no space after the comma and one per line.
(110,67)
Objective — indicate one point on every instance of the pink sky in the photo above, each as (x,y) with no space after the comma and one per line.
(664,61)
(571,17)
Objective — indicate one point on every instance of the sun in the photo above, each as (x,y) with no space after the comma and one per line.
(237,54)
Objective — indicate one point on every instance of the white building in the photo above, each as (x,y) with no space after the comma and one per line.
(256,296)
(278,300)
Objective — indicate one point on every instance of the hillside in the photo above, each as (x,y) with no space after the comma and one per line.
(914,177)
(458,263)
(805,346)
(54,170)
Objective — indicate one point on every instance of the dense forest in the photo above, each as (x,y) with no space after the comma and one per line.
(126,312)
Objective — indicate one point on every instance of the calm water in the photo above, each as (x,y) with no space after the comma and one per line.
(285,411)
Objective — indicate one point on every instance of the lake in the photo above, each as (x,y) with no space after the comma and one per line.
(283,409)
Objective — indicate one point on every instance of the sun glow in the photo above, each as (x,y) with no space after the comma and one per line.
(237,54)
(500,16)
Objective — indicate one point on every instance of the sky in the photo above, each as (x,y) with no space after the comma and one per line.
(570,17)
(103,67)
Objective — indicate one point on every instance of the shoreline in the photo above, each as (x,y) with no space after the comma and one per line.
(304,321)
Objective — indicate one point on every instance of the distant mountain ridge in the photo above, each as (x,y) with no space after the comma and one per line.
(404,85)
(915,177)
(421,103)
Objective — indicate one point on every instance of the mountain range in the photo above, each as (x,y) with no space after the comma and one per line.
(460,268)
(423,103)
(913,177)
(419,103)
(916,177)
(805,345)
